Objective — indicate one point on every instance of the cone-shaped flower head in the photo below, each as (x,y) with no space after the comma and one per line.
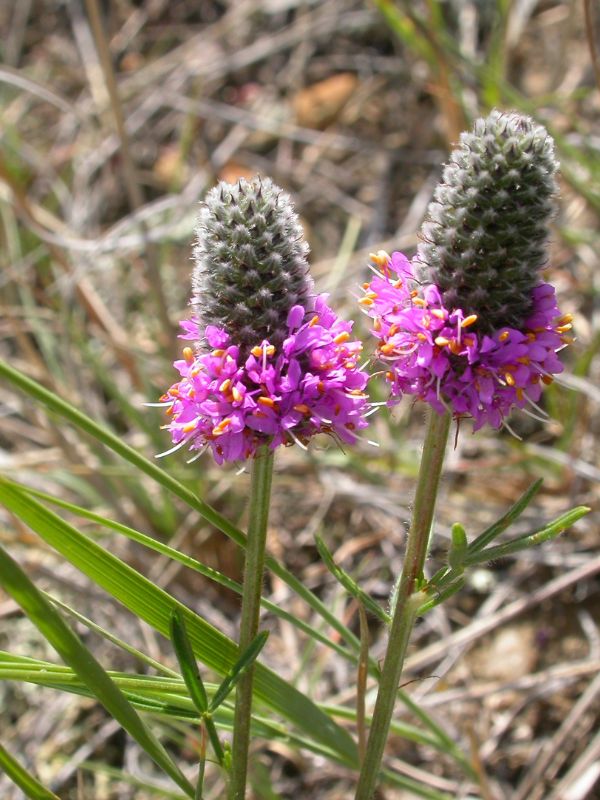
(251,262)
(272,363)
(470,326)
(484,238)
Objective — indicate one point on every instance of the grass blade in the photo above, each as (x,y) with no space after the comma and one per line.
(29,785)
(117,445)
(350,584)
(76,655)
(187,561)
(155,606)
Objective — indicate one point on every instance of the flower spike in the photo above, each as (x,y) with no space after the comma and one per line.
(273,364)
(469,326)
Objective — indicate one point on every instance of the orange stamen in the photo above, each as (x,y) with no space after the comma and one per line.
(468,321)
(342,337)
(221,427)
(188,355)
(267,401)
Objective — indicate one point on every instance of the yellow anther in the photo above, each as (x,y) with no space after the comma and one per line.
(422,338)
(504,336)
(509,379)
(377,324)
(257,351)
(236,394)
(564,328)
(342,337)
(418,301)
(221,427)
(389,376)
(380,258)
(189,427)
(302,408)
(387,349)
(439,313)
(270,350)
(520,393)
(365,301)
(314,320)
(188,354)
(225,386)
(454,347)
(267,401)
(441,341)
(565,318)
(469,321)
(218,353)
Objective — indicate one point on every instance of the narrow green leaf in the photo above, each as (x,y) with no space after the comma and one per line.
(247,658)
(195,687)
(550,531)
(458,546)
(26,782)
(513,513)
(350,584)
(441,595)
(187,662)
(76,655)
(117,445)
(155,607)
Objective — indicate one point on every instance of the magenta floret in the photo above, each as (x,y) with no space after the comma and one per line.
(311,384)
(436,354)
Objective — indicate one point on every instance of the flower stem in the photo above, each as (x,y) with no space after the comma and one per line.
(405,602)
(260,494)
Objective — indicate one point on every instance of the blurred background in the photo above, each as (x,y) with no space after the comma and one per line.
(115,119)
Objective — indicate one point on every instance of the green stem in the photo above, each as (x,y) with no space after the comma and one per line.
(407,600)
(260,494)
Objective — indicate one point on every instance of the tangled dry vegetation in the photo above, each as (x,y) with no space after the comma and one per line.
(107,145)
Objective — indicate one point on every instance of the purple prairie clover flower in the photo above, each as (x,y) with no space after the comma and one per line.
(233,403)
(272,363)
(437,354)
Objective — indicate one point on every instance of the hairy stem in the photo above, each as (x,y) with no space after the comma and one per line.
(260,494)
(407,599)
